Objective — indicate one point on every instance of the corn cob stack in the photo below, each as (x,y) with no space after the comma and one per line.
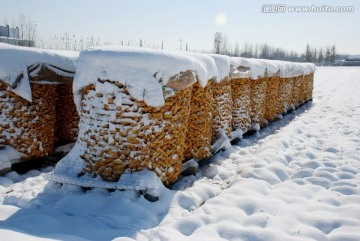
(303,89)
(285,93)
(257,104)
(199,135)
(123,134)
(28,126)
(240,91)
(67,118)
(310,86)
(222,108)
(296,94)
(272,92)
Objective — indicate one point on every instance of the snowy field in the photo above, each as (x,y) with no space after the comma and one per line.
(299,179)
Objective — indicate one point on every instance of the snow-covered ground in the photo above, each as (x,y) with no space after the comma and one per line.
(299,179)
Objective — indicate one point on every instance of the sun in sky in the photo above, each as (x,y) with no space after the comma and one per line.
(220,19)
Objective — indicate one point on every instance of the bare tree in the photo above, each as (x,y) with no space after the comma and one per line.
(248,50)
(22,30)
(256,51)
(27,30)
(293,56)
(321,57)
(237,50)
(314,55)
(225,47)
(333,55)
(265,52)
(278,53)
(327,56)
(308,55)
(218,40)
(22,24)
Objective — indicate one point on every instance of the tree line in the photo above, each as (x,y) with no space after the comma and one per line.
(320,56)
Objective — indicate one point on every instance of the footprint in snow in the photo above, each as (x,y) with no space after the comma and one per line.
(327,175)
(302,174)
(345,175)
(346,190)
(349,169)
(319,181)
(248,208)
(343,183)
(280,173)
(330,164)
(288,158)
(258,220)
(188,227)
(331,149)
(327,226)
(311,164)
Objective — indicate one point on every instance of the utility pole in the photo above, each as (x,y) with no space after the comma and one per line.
(162,45)
(186,47)
(180,44)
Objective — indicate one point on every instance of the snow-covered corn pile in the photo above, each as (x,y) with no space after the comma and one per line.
(257,104)
(152,110)
(258,89)
(240,91)
(223,102)
(199,134)
(285,94)
(28,126)
(296,100)
(305,85)
(122,133)
(272,92)
(248,92)
(200,128)
(222,108)
(309,80)
(272,72)
(67,118)
(28,92)
(135,110)
(296,85)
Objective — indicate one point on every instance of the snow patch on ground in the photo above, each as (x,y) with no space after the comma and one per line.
(7,153)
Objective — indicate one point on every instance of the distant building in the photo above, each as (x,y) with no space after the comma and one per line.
(12,36)
(352,60)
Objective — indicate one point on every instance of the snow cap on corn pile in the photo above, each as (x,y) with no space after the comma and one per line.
(143,71)
(308,68)
(131,119)
(223,65)
(292,69)
(27,110)
(258,68)
(208,63)
(16,60)
(244,67)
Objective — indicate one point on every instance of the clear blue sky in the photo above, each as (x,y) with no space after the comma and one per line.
(194,21)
